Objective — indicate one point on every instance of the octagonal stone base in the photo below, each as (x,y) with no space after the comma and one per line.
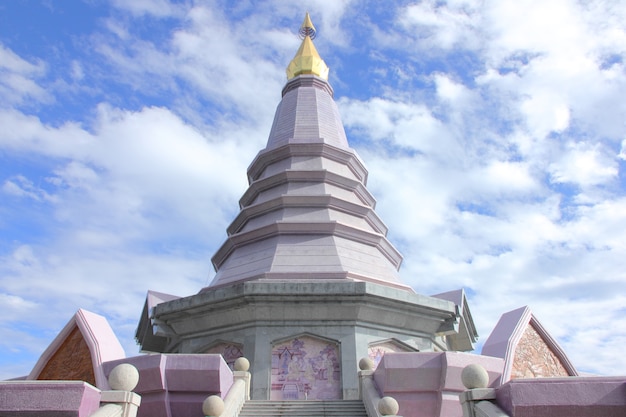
(259,315)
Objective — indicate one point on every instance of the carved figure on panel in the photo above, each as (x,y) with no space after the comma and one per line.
(377,350)
(305,367)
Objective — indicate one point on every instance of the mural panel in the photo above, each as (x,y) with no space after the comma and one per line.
(306,368)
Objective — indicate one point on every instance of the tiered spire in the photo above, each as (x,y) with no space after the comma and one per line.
(307,60)
(307,214)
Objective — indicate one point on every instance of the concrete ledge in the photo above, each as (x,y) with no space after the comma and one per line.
(177,384)
(429,383)
(48,398)
(564,397)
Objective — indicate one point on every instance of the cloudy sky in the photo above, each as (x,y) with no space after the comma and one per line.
(494,133)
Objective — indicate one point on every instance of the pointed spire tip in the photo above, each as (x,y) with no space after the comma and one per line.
(307,60)
(307,28)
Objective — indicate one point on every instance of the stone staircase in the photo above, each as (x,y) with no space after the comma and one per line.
(343,408)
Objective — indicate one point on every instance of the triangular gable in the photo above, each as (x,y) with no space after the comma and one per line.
(467,335)
(79,350)
(145,330)
(527,348)
(155,298)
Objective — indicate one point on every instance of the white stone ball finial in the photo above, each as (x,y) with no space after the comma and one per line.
(213,406)
(124,377)
(366,364)
(242,364)
(475,376)
(388,406)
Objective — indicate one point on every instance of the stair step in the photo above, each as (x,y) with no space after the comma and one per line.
(344,408)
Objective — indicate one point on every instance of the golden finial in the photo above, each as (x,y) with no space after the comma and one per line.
(307,60)
(307,28)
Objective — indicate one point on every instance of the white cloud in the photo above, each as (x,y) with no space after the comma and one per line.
(545,114)
(441,25)
(77,71)
(622,151)
(411,126)
(15,303)
(135,166)
(554,69)
(553,27)
(331,13)
(17,79)
(21,187)
(452,92)
(502,178)
(156,8)
(585,165)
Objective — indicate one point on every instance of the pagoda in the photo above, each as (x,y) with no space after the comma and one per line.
(307,304)
(307,282)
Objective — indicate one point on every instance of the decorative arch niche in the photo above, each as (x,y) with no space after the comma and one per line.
(306,367)
(377,350)
(230,351)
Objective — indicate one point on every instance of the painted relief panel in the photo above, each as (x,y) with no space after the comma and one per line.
(534,359)
(377,351)
(229,351)
(306,368)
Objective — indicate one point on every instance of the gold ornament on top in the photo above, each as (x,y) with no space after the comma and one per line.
(307,60)
(307,28)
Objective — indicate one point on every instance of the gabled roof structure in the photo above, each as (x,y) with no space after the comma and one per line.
(527,348)
(467,334)
(79,351)
(144,335)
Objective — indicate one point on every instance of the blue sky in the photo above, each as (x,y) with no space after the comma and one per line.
(494,133)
